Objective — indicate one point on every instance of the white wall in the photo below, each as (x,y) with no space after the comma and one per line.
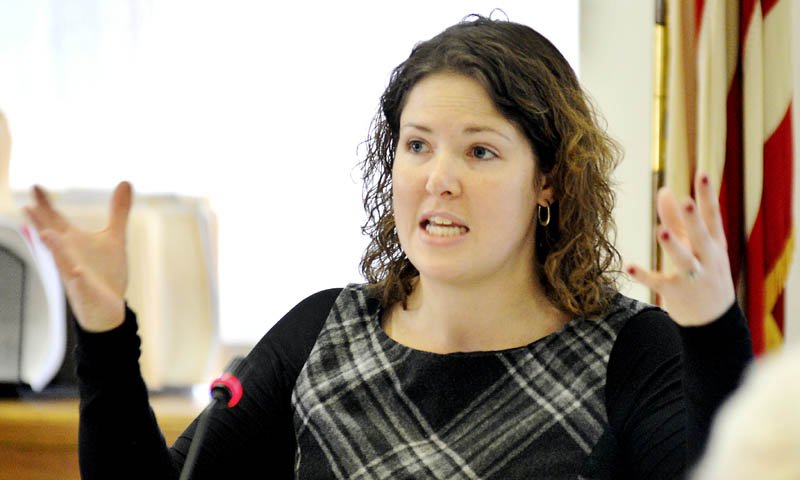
(615,59)
(616,68)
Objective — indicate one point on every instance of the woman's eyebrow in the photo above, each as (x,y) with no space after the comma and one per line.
(479,129)
(416,126)
(470,129)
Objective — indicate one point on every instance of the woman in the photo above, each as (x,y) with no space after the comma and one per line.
(489,342)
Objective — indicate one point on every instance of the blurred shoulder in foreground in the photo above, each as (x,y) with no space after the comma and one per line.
(757,431)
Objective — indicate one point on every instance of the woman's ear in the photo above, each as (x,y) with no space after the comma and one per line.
(546,193)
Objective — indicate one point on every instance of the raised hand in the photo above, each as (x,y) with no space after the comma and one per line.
(693,237)
(93,265)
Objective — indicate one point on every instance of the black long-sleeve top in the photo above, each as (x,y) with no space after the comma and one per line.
(660,386)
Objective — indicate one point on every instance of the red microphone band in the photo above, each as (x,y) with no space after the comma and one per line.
(231,384)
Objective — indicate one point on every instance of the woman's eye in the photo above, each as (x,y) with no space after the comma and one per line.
(482,153)
(416,146)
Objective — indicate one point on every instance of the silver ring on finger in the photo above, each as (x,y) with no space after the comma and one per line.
(693,271)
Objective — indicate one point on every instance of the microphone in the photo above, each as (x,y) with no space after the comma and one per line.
(226,387)
(226,391)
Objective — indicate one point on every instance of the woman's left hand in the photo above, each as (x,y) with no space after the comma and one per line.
(692,235)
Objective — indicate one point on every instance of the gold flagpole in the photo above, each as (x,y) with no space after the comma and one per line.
(660,59)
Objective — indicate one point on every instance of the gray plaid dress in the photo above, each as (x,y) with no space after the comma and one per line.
(366,407)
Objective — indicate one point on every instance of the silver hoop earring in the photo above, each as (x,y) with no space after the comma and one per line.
(546,220)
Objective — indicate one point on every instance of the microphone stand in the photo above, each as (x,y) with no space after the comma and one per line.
(226,391)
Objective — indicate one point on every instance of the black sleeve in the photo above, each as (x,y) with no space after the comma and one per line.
(714,360)
(118,433)
(664,385)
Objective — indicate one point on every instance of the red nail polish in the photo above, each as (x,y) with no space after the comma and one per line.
(704,180)
(665,235)
(631,270)
(690,208)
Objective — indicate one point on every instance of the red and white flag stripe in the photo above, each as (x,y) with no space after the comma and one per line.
(729,114)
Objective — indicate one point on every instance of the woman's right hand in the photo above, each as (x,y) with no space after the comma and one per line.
(93,265)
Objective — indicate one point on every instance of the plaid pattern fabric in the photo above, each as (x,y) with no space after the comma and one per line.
(367,407)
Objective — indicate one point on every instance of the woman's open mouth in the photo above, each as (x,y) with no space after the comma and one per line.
(442,227)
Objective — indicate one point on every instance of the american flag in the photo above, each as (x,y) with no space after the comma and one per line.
(729,113)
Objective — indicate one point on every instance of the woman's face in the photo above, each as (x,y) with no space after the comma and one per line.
(463,185)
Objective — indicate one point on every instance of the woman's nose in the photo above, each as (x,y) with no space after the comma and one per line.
(443,178)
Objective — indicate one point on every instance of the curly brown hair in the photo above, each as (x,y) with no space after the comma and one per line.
(534,87)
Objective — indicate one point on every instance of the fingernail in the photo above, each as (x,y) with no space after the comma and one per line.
(690,208)
(704,179)
(665,235)
(631,271)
